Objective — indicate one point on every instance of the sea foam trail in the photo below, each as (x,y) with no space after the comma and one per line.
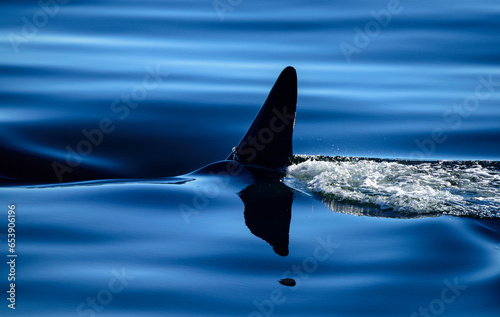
(403,188)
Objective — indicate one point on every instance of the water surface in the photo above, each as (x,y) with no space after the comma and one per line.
(173,86)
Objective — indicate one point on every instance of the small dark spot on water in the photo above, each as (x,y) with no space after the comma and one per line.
(287,282)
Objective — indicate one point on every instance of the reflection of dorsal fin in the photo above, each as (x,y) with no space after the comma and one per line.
(268,142)
(268,212)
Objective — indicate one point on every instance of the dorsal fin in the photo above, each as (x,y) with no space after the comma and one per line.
(268,141)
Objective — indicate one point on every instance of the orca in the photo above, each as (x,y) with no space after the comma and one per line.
(268,141)
(259,160)
(266,148)
(257,165)
(253,170)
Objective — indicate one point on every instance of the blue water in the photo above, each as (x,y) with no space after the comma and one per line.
(173,86)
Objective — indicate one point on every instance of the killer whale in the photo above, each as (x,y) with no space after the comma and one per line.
(268,141)
(253,170)
(258,163)
(259,159)
(266,148)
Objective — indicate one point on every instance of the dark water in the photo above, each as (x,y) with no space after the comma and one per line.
(152,89)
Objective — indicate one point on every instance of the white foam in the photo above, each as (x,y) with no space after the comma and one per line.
(452,188)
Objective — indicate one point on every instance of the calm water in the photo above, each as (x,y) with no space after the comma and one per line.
(125,90)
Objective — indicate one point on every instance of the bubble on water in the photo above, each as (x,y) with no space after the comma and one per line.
(460,188)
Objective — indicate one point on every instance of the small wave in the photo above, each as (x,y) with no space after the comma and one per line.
(401,188)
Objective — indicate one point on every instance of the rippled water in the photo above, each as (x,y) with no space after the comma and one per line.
(124,90)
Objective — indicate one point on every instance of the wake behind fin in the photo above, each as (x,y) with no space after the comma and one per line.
(268,141)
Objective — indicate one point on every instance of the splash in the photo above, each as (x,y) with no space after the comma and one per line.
(401,188)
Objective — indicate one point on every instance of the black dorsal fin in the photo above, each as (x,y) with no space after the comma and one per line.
(268,142)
